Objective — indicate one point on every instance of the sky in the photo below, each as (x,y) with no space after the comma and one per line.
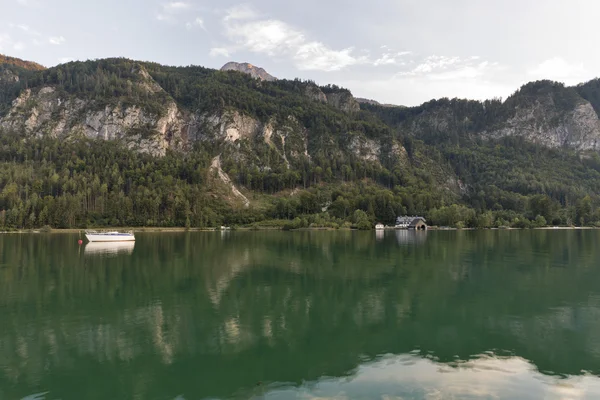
(402,52)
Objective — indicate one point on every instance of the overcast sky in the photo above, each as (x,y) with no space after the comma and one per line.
(394,51)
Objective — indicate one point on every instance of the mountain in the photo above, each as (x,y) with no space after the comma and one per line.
(122,142)
(246,68)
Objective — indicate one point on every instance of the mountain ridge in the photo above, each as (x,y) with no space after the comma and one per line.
(293,149)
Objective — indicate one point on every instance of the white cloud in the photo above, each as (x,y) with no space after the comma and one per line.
(240,12)
(18,46)
(56,40)
(25,28)
(176,6)
(558,69)
(168,11)
(278,39)
(198,22)
(391,58)
(219,52)
(64,60)
(449,68)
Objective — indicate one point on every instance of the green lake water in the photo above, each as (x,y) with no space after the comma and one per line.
(302,315)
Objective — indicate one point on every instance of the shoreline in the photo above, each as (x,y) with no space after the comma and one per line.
(248,229)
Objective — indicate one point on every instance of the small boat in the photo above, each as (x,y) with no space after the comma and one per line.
(112,236)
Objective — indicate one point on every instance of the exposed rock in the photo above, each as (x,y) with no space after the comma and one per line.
(343,101)
(7,76)
(47,113)
(365,148)
(578,129)
(246,68)
(314,93)
(230,126)
(216,166)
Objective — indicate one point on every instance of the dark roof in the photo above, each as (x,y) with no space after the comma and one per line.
(417,220)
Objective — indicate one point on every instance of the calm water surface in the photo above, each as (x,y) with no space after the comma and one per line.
(305,315)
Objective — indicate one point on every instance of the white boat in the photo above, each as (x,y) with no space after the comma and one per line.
(113,236)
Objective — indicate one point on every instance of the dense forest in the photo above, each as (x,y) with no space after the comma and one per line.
(450,176)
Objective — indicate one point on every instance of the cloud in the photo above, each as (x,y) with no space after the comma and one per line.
(240,12)
(176,6)
(198,22)
(18,46)
(169,10)
(219,52)
(276,38)
(434,77)
(56,40)
(25,28)
(449,68)
(391,58)
(64,60)
(558,69)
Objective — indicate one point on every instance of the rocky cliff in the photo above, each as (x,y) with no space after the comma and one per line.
(49,111)
(147,112)
(246,68)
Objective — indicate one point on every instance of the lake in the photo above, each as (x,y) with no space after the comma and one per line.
(302,315)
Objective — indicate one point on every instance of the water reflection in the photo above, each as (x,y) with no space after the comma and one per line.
(304,314)
(411,377)
(405,236)
(109,248)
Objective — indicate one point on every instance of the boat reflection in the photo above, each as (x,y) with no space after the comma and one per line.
(109,248)
(405,236)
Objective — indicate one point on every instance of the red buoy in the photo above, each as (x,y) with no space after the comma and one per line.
(80,242)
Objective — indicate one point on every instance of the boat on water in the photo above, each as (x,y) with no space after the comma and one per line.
(111,236)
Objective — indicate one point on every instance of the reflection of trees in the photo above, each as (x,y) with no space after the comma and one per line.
(249,307)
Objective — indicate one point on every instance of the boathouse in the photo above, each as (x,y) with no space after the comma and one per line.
(413,222)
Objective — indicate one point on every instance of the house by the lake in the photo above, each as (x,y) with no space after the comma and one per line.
(413,222)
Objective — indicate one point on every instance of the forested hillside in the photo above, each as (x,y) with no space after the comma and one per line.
(123,143)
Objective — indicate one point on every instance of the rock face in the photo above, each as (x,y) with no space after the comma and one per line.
(45,111)
(246,68)
(577,129)
(342,100)
(7,76)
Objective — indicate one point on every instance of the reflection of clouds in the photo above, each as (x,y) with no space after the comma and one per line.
(409,376)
